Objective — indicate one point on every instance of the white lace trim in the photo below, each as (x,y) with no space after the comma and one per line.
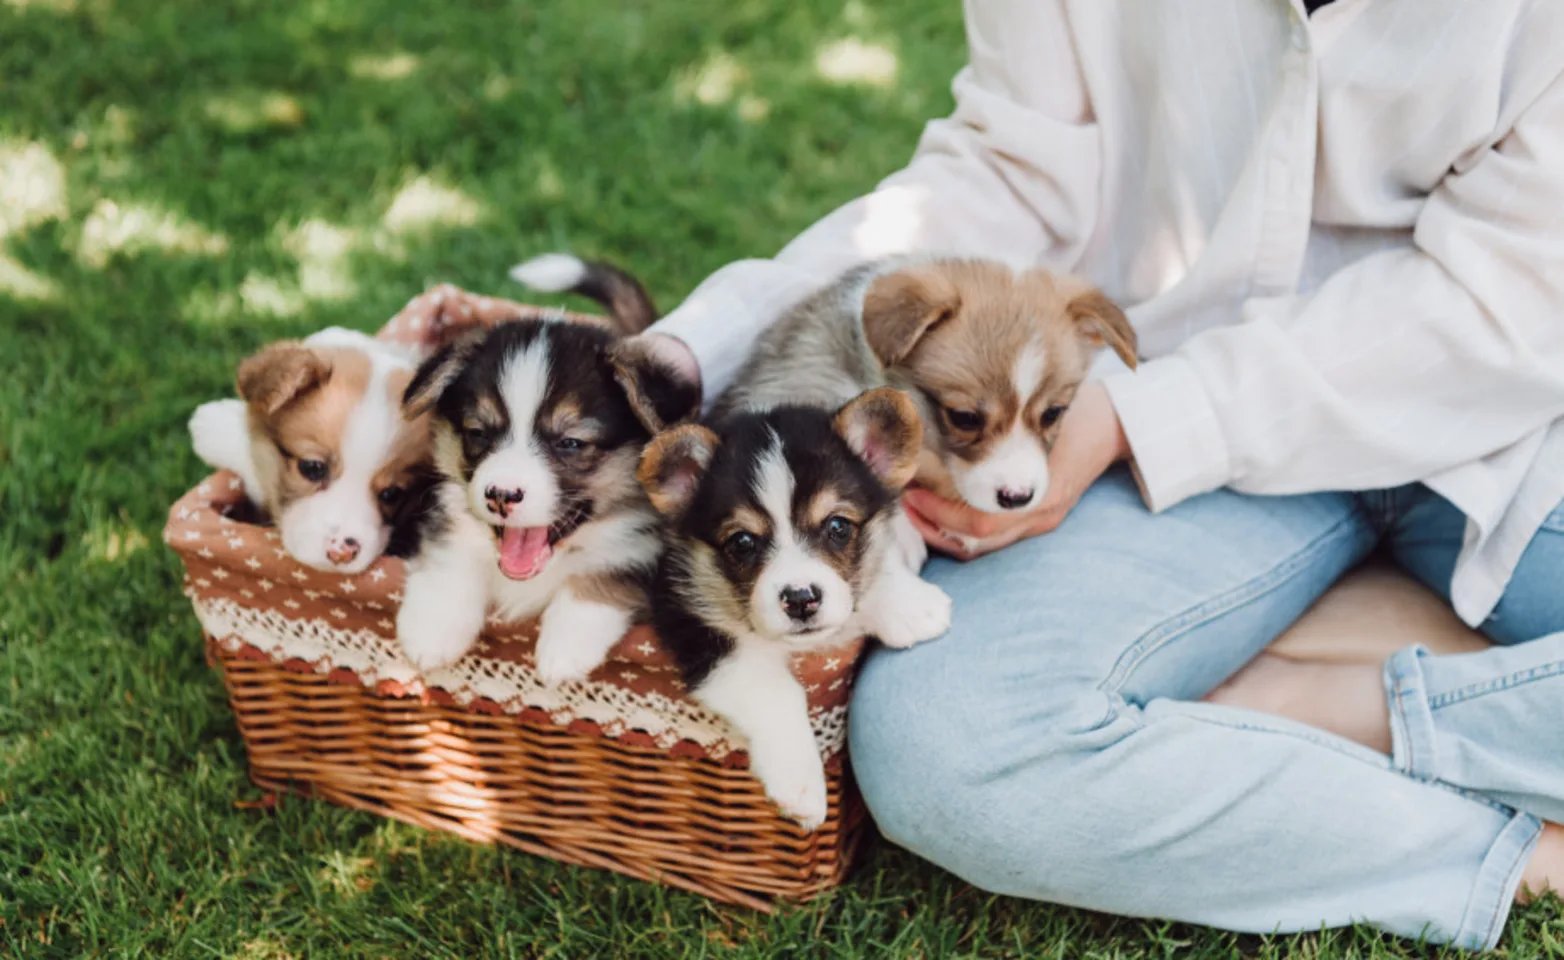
(513,686)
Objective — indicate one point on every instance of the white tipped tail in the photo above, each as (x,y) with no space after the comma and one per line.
(552,272)
(627,301)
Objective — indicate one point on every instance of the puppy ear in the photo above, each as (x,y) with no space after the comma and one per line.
(884,429)
(437,373)
(899,308)
(1101,322)
(659,379)
(672,466)
(280,373)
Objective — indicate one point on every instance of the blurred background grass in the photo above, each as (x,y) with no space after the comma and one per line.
(181,181)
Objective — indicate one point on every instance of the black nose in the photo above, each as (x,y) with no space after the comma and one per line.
(1015,499)
(500,501)
(801,603)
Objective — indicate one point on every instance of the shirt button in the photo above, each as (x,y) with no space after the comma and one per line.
(1300,38)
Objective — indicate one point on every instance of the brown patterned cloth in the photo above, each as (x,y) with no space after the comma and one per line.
(253,597)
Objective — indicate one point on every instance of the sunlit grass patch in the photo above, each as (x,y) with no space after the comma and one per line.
(390,66)
(20,283)
(425,203)
(266,295)
(243,111)
(852,61)
(32,186)
(131,228)
(112,542)
(712,81)
(57,6)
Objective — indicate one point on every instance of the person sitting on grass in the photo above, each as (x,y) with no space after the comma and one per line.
(1339,232)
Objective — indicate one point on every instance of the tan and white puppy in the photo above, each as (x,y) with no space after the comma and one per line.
(320,443)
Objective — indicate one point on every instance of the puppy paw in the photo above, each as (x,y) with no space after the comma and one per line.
(430,636)
(914,611)
(798,789)
(562,659)
(575,637)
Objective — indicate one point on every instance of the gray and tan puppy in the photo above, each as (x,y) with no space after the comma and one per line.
(992,356)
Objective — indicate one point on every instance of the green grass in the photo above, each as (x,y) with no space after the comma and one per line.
(181,181)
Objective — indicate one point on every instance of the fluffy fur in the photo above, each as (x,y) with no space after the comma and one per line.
(538,425)
(318,439)
(780,533)
(991,355)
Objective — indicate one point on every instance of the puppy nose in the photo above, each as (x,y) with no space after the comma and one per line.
(801,603)
(342,549)
(1015,499)
(500,500)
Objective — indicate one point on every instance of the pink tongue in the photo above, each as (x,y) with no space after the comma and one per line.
(524,551)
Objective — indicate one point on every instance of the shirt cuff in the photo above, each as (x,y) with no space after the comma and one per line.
(1175,439)
(708,325)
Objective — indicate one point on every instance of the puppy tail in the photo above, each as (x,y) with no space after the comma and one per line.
(627,301)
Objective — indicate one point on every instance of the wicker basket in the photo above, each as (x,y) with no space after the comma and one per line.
(628,776)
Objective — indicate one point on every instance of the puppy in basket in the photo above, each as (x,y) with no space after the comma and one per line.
(780,535)
(538,426)
(318,440)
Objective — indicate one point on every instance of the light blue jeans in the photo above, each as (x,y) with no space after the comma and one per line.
(1052,745)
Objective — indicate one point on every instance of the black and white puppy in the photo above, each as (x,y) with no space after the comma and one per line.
(538,427)
(780,533)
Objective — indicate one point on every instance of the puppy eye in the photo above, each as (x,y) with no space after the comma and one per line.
(838,531)
(741,547)
(475,433)
(570,445)
(1051,415)
(390,496)
(970,421)
(313,470)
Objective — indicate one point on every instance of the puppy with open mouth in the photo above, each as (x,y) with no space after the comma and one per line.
(538,426)
(780,525)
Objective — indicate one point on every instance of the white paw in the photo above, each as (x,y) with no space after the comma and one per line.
(575,637)
(797,786)
(430,636)
(914,611)
(562,658)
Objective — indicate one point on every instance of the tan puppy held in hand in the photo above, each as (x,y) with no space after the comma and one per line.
(992,355)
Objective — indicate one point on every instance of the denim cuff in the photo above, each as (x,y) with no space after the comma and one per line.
(1499,876)
(1413,750)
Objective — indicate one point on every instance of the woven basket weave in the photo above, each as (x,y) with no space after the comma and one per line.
(588,800)
(626,776)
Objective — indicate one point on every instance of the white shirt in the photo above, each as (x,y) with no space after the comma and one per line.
(1341,241)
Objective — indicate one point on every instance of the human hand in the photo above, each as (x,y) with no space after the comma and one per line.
(1091,439)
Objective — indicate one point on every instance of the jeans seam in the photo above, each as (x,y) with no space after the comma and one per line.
(1475,690)
(1246,593)
(1493,927)
(1400,692)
